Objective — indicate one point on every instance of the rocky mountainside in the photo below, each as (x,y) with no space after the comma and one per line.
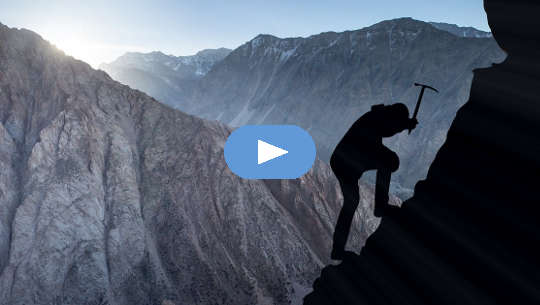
(110,197)
(165,77)
(465,32)
(187,67)
(323,83)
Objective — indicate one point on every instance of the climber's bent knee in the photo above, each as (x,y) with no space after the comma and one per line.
(391,161)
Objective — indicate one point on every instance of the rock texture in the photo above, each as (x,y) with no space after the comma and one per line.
(323,83)
(109,197)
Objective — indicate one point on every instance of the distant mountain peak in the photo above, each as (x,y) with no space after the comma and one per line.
(265,39)
(265,36)
(402,22)
(284,48)
(407,26)
(207,52)
(465,32)
(181,67)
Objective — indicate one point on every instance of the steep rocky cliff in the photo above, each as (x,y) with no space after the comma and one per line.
(109,197)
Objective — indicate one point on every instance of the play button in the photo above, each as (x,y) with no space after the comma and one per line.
(269,152)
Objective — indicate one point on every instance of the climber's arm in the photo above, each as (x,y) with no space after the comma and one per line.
(411,124)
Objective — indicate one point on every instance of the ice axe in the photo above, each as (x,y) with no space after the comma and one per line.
(420,99)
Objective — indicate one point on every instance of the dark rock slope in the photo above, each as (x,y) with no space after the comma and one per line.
(109,197)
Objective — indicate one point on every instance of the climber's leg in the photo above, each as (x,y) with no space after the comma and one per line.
(351,197)
(389,163)
(381,191)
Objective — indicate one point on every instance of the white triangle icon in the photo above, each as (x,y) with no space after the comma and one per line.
(267,152)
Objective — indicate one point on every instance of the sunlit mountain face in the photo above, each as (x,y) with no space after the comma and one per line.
(108,196)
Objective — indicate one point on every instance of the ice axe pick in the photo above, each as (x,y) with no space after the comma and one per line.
(420,99)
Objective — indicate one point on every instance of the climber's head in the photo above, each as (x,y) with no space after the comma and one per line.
(515,24)
(399,110)
(396,119)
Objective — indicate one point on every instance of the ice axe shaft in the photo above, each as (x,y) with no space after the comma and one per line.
(417,107)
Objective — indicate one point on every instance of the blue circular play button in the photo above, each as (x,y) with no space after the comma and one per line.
(269,152)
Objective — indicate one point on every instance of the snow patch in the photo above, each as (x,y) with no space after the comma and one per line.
(256,42)
(286,54)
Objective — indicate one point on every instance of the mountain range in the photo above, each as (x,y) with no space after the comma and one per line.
(324,82)
(108,196)
(165,77)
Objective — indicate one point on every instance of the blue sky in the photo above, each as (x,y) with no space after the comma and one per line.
(99,31)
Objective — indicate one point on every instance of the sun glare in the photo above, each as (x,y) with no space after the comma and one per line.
(92,52)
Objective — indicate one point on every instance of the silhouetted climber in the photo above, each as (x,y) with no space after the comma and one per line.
(360,150)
